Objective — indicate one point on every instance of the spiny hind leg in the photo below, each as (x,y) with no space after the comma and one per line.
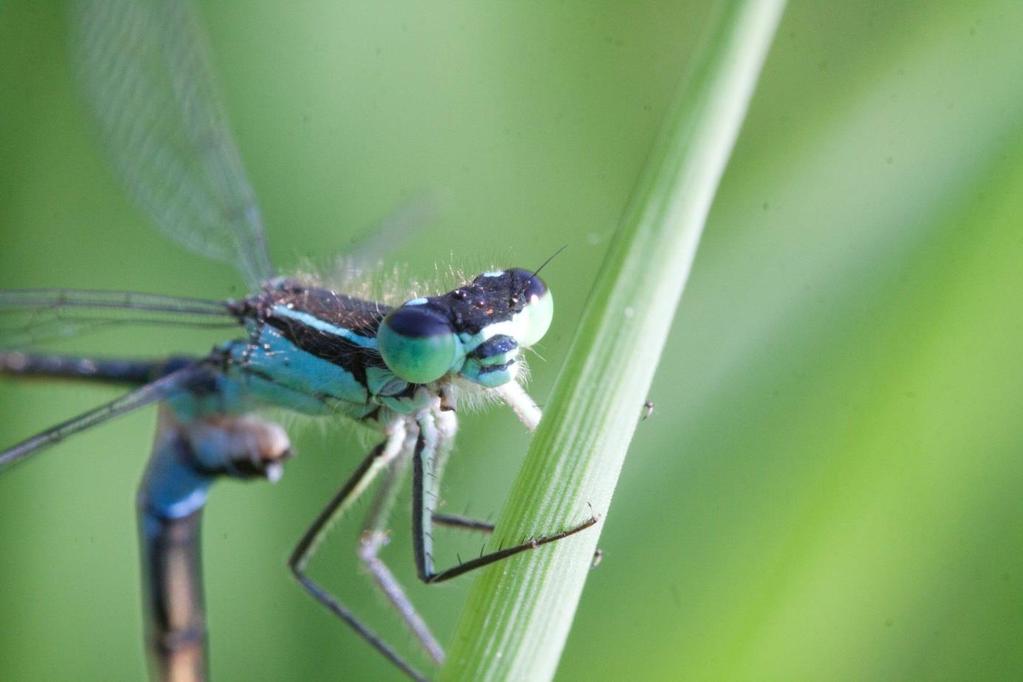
(436,430)
(468,523)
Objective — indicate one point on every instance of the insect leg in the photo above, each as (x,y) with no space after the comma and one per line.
(466,523)
(435,433)
(380,457)
(522,405)
(463,523)
(375,537)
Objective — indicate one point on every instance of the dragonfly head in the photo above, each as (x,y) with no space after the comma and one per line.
(475,331)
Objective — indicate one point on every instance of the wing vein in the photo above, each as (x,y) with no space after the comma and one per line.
(145,74)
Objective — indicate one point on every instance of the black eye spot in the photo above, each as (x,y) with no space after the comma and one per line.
(418,321)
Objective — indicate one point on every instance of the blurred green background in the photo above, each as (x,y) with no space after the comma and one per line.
(829,487)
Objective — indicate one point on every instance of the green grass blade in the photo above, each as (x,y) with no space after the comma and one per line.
(519,612)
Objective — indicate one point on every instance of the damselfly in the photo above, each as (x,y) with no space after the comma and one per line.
(305,347)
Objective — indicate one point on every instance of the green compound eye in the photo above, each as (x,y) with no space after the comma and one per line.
(418,344)
(535,319)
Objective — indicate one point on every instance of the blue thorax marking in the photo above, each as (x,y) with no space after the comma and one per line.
(273,371)
(279,373)
(324,327)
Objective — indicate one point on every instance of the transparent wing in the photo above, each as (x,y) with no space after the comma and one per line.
(31,317)
(364,255)
(144,70)
(140,397)
(400,225)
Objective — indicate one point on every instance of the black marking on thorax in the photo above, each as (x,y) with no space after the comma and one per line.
(357,315)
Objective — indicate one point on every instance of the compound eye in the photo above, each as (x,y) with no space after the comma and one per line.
(527,284)
(418,344)
(538,309)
